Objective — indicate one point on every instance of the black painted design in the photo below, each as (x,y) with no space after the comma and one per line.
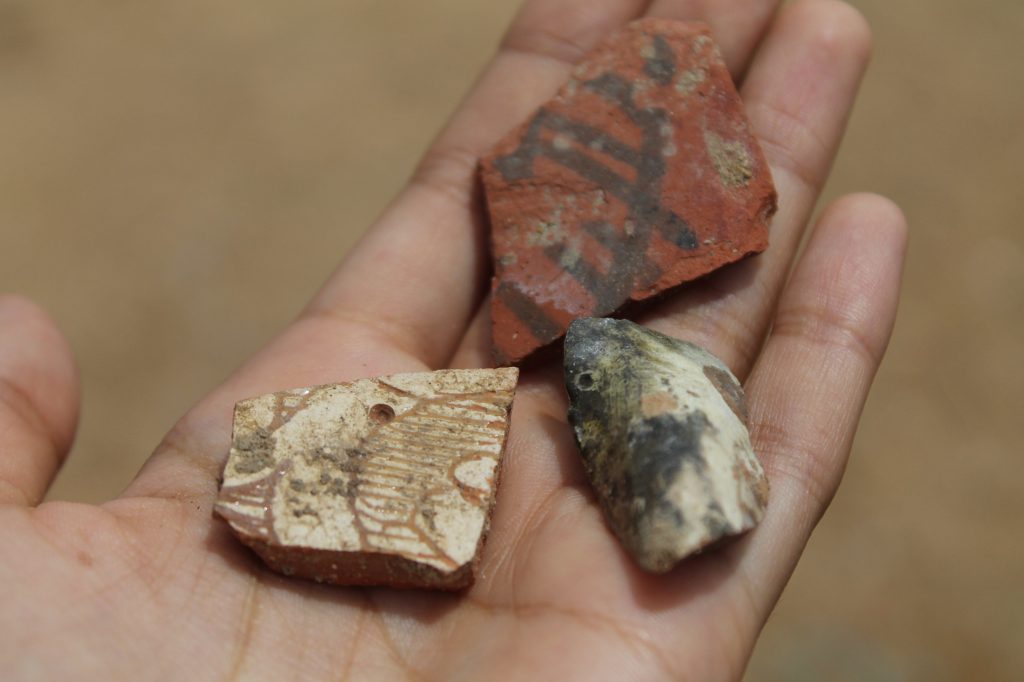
(612,288)
(662,65)
(540,325)
(641,195)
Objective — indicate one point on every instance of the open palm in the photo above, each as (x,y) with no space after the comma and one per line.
(151,586)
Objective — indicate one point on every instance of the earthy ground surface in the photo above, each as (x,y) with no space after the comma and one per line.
(178,176)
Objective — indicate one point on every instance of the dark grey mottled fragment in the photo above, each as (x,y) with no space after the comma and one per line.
(661,426)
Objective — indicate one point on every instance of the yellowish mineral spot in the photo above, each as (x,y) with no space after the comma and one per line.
(731,159)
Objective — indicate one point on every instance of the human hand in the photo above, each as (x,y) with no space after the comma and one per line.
(151,586)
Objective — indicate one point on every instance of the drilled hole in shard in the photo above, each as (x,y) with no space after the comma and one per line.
(382,413)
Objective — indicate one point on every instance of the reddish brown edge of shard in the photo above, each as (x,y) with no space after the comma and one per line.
(362,568)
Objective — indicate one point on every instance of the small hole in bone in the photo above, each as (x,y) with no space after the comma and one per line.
(585,381)
(381,413)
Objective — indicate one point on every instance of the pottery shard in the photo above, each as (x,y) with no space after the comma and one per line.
(386,481)
(661,425)
(640,175)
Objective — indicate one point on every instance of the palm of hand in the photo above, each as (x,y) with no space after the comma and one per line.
(150,585)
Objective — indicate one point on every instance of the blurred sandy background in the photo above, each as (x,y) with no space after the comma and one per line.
(177,176)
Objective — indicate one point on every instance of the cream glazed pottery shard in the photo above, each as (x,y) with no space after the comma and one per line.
(386,481)
(661,426)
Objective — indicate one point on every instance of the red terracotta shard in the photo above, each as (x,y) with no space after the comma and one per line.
(640,175)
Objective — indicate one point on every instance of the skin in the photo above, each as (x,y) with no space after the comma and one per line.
(150,586)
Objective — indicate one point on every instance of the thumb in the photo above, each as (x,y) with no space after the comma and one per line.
(38,401)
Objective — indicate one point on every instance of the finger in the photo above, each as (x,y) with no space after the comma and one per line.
(38,401)
(736,24)
(798,95)
(809,386)
(420,272)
